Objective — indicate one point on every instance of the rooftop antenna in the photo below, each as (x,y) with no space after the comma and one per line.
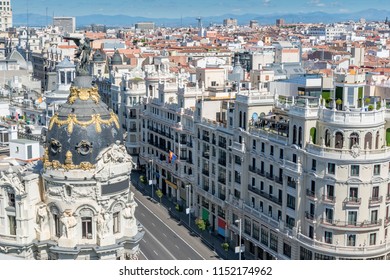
(28,35)
(27,14)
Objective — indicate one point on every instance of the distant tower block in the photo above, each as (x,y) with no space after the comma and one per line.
(200,27)
(280,22)
(253,24)
(5,15)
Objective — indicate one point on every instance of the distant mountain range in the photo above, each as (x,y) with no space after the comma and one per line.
(127,21)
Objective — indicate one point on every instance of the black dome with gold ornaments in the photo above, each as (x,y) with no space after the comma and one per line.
(80,129)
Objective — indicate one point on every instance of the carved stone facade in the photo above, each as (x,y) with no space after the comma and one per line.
(77,202)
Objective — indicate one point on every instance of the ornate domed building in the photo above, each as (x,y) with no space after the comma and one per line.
(83,206)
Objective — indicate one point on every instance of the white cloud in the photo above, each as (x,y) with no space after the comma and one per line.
(316,3)
(266,2)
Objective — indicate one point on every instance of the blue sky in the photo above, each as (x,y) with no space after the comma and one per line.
(177,8)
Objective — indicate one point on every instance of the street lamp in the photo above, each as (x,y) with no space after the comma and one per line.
(189,204)
(151,181)
(239,241)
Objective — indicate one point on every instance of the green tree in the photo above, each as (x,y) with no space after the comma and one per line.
(201,224)
(159,194)
(339,103)
(142,179)
(225,246)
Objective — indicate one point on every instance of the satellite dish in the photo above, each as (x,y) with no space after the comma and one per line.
(255,117)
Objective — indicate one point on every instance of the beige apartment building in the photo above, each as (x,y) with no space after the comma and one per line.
(304,178)
(5,15)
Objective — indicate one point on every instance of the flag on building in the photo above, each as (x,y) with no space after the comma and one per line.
(171,157)
(174,157)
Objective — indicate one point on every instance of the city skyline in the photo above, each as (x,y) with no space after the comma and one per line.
(148,8)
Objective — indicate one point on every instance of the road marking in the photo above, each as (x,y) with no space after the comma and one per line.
(170,229)
(159,242)
(153,224)
(142,214)
(144,240)
(165,235)
(155,253)
(146,258)
(177,246)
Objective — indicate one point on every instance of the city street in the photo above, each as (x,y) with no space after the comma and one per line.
(165,238)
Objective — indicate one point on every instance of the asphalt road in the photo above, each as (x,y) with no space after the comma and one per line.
(165,238)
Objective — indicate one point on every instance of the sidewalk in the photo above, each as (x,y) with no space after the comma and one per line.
(211,240)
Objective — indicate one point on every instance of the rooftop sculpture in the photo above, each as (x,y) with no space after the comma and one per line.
(83,53)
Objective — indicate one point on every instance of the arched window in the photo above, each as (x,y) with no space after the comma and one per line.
(388,137)
(353,139)
(56,219)
(377,140)
(327,138)
(294,134)
(339,140)
(244,121)
(368,141)
(313,134)
(300,137)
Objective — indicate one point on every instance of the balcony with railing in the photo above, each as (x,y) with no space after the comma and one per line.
(206,138)
(206,154)
(205,172)
(261,172)
(260,215)
(270,197)
(352,116)
(340,248)
(292,166)
(310,194)
(375,200)
(269,175)
(252,169)
(279,179)
(292,184)
(346,153)
(351,225)
(239,147)
(329,199)
(309,216)
(210,197)
(352,201)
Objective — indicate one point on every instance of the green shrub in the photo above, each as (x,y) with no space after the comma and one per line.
(225,246)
